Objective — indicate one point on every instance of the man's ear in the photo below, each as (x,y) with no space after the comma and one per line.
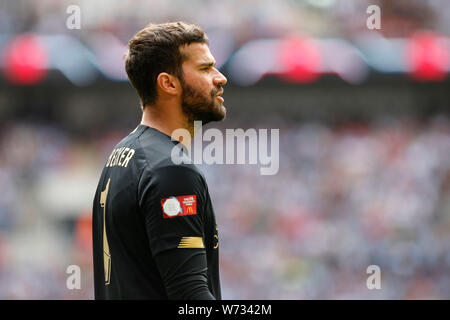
(168,83)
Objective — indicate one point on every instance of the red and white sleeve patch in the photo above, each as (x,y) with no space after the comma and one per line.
(179,206)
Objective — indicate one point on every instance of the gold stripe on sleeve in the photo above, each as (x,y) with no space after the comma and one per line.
(191,242)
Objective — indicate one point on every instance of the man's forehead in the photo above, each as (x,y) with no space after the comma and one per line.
(197,53)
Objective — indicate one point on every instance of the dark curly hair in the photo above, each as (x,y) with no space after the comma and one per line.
(155,49)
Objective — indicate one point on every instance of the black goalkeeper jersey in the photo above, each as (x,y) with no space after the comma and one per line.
(154,229)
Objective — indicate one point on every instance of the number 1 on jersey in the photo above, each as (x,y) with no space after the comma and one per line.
(106,253)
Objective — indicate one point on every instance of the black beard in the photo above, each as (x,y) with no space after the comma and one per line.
(199,107)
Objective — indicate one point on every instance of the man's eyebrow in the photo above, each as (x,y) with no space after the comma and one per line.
(207,64)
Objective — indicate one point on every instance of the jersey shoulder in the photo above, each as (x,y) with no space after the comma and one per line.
(147,151)
(161,153)
(161,173)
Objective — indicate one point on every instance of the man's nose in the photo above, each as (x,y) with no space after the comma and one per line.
(220,79)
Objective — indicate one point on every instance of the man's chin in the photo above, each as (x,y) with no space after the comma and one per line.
(218,114)
(222,112)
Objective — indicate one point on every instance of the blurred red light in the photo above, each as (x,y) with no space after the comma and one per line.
(301,59)
(26,60)
(427,56)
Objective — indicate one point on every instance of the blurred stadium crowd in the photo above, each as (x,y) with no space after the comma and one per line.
(236,20)
(346,196)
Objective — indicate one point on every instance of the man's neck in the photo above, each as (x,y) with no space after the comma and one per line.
(166,123)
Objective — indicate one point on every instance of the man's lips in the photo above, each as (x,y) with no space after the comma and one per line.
(219,96)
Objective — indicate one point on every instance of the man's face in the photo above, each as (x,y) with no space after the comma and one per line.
(202,85)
